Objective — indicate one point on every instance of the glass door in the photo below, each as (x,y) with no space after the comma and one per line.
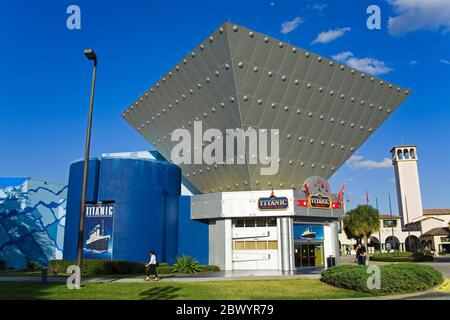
(308,255)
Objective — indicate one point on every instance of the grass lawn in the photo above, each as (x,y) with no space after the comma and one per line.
(239,289)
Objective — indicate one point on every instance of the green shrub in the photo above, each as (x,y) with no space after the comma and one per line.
(395,278)
(165,270)
(401,257)
(186,264)
(99,266)
(125,267)
(209,268)
(2,264)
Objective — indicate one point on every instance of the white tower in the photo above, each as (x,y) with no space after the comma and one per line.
(404,159)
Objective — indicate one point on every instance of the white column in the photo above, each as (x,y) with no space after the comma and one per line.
(286,239)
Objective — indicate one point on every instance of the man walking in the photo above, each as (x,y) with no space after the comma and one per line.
(361,254)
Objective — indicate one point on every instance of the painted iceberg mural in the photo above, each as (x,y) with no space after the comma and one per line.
(32,218)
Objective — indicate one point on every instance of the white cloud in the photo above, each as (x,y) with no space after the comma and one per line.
(358,162)
(319,6)
(330,35)
(289,26)
(413,62)
(444,61)
(413,15)
(342,56)
(367,65)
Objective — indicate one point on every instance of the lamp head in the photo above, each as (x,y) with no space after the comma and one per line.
(90,54)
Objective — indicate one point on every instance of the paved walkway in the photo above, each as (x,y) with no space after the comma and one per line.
(207,276)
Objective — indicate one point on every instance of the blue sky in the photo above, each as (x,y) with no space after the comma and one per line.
(45,79)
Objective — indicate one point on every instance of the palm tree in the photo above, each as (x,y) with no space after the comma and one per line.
(361,222)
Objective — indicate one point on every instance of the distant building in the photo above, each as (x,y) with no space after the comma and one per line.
(415,228)
(32,217)
(430,232)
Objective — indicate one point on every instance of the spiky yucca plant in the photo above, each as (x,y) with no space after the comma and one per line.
(186,264)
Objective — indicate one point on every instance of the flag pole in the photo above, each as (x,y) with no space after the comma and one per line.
(379,229)
(392,225)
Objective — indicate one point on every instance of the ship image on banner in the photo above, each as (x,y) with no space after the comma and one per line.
(98,231)
(308,232)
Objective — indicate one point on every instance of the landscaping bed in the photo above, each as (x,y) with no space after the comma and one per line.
(112,267)
(401,257)
(395,278)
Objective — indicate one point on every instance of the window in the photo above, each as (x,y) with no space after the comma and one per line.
(256,245)
(272,222)
(406,154)
(412,153)
(250,245)
(250,223)
(239,223)
(239,245)
(254,222)
(261,245)
(389,223)
(272,244)
(399,154)
(261,222)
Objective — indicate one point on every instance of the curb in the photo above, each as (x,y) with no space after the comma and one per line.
(402,295)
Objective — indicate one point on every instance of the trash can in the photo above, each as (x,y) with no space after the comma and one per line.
(331,261)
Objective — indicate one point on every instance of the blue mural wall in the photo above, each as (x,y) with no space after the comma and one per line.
(32,218)
(145,194)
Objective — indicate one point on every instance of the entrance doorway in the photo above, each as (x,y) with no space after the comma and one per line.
(308,254)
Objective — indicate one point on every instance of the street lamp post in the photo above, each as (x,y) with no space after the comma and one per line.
(90,54)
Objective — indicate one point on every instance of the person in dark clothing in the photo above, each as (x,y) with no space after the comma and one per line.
(361,254)
(151,267)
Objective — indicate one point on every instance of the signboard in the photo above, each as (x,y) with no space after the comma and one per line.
(98,231)
(319,201)
(308,232)
(317,195)
(273,203)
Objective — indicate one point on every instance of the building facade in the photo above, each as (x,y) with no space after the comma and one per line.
(133,205)
(321,111)
(281,230)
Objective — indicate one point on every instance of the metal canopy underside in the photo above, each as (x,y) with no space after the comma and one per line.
(238,78)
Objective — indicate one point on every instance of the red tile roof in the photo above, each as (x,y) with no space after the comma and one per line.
(432,212)
(437,232)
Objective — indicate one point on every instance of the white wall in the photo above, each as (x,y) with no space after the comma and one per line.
(255,259)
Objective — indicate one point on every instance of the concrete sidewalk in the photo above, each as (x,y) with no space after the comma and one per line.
(257,275)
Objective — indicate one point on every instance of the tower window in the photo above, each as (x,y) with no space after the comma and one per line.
(412,153)
(406,154)
(399,154)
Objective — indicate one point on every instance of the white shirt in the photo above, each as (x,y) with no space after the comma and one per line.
(152,260)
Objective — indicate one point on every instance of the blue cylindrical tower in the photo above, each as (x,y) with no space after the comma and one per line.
(145,194)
